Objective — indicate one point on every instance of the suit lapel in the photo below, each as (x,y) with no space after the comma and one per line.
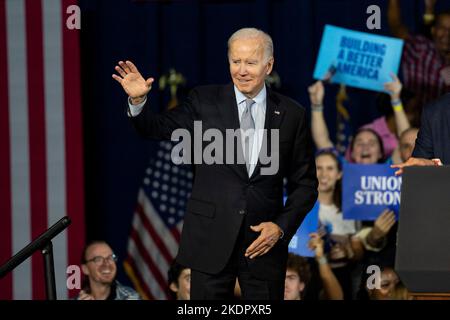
(274,117)
(229,113)
(227,108)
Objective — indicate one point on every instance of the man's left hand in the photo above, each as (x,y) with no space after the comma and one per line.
(270,234)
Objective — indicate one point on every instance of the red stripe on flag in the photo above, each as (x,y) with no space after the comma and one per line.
(37,137)
(74,143)
(5,161)
(176,234)
(137,274)
(154,269)
(156,238)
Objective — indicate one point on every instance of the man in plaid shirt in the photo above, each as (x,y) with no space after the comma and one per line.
(425,62)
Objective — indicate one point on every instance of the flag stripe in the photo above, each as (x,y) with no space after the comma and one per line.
(158,224)
(145,270)
(137,279)
(150,246)
(38,187)
(41,172)
(141,270)
(156,272)
(176,234)
(5,176)
(20,186)
(158,243)
(54,118)
(179,229)
(74,136)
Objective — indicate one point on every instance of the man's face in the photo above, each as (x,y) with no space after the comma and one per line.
(293,286)
(183,290)
(327,173)
(248,67)
(389,281)
(441,35)
(100,266)
(407,144)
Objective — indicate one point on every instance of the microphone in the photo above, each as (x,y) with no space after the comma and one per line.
(38,244)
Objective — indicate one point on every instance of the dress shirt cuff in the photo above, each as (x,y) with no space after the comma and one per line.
(135,110)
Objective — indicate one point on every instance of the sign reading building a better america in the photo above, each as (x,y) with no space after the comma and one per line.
(368,190)
(358,59)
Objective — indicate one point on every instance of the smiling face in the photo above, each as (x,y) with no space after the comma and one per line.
(366,148)
(388,283)
(100,270)
(327,173)
(248,65)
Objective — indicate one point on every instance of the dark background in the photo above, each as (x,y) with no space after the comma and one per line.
(191,36)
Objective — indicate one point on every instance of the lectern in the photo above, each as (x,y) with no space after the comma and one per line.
(423,239)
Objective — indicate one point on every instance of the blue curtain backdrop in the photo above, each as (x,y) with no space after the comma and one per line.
(191,37)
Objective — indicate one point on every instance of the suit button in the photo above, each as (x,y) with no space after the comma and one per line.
(242,211)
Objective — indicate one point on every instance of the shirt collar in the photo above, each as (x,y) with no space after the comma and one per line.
(259,99)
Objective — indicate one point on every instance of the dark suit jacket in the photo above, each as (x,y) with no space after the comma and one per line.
(433,139)
(224,197)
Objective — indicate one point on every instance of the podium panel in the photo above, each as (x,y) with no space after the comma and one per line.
(423,238)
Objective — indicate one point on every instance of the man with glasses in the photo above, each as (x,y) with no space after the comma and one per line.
(99,267)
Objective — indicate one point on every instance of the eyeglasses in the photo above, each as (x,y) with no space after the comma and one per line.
(99,260)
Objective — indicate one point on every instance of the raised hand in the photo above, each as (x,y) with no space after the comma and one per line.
(316,243)
(383,224)
(316,93)
(132,81)
(270,233)
(394,87)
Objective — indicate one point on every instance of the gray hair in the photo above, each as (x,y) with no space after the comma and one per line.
(253,33)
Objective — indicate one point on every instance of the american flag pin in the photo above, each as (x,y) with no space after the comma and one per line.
(277,112)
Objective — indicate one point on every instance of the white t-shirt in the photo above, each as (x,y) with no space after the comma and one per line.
(329,215)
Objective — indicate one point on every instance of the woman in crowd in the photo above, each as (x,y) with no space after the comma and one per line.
(348,241)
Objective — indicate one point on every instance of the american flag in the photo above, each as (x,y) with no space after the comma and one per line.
(344,128)
(41,168)
(157,223)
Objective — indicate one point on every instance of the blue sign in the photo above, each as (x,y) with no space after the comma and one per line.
(368,189)
(357,59)
(299,242)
